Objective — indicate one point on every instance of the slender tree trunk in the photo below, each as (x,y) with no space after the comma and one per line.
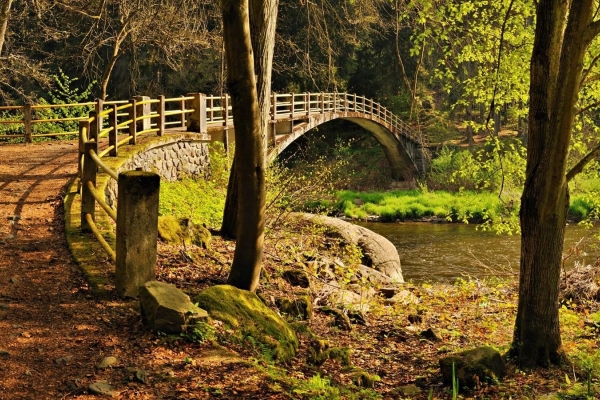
(556,66)
(249,163)
(4,15)
(263,19)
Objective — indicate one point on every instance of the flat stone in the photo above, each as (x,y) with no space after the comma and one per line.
(14,280)
(408,391)
(107,362)
(167,309)
(102,388)
(431,334)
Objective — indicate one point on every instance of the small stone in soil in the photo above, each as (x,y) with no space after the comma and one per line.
(107,362)
(63,360)
(101,388)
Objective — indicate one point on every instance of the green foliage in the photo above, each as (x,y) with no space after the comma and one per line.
(200,333)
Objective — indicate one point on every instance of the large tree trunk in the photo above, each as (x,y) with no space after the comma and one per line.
(250,163)
(556,66)
(263,19)
(4,13)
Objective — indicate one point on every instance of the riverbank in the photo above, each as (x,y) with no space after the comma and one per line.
(396,343)
(422,205)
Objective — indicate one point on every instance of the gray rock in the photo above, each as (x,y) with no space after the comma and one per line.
(300,308)
(107,362)
(483,364)
(378,252)
(167,309)
(403,297)
(102,388)
(340,319)
(388,292)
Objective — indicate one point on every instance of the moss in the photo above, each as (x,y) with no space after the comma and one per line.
(244,312)
(362,378)
(300,308)
(169,229)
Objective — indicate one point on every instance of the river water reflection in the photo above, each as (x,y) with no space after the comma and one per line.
(444,252)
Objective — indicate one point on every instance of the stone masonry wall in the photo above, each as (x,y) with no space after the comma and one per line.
(172,161)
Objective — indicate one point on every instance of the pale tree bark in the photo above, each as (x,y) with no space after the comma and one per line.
(4,15)
(263,20)
(556,67)
(250,163)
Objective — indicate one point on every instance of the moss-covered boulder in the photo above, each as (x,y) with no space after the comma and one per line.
(183,231)
(296,277)
(483,364)
(245,313)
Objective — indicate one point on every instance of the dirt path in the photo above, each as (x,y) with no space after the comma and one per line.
(52,333)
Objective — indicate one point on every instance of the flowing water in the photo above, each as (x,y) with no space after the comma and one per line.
(444,252)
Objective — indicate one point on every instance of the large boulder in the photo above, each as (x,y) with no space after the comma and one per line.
(245,313)
(167,309)
(482,364)
(378,252)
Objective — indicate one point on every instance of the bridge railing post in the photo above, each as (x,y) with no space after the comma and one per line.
(197,119)
(88,202)
(113,121)
(307,103)
(132,125)
(225,109)
(143,110)
(345,105)
(161,119)
(322,101)
(291,105)
(182,108)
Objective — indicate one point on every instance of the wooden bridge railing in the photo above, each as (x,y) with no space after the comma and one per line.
(161,114)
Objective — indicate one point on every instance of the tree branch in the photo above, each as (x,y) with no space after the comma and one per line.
(582,163)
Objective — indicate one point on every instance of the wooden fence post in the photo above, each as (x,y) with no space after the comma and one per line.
(160,110)
(307,102)
(132,124)
(113,121)
(322,103)
(182,106)
(98,108)
(27,118)
(94,126)
(88,203)
(197,120)
(143,111)
(137,231)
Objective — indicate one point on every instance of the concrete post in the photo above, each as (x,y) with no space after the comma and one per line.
(137,231)
(132,124)
(160,110)
(88,202)
(143,110)
(197,120)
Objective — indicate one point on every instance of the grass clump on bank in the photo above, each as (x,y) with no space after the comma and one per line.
(416,204)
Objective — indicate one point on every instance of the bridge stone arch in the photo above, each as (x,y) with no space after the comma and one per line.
(294,114)
(405,156)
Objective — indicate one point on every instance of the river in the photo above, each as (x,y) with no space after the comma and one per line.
(444,252)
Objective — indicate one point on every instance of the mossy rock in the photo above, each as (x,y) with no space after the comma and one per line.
(300,308)
(244,312)
(184,230)
(362,378)
(483,364)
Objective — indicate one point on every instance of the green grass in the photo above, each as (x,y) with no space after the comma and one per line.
(415,204)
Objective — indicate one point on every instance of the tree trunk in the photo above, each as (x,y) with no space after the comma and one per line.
(556,66)
(4,14)
(249,163)
(263,19)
